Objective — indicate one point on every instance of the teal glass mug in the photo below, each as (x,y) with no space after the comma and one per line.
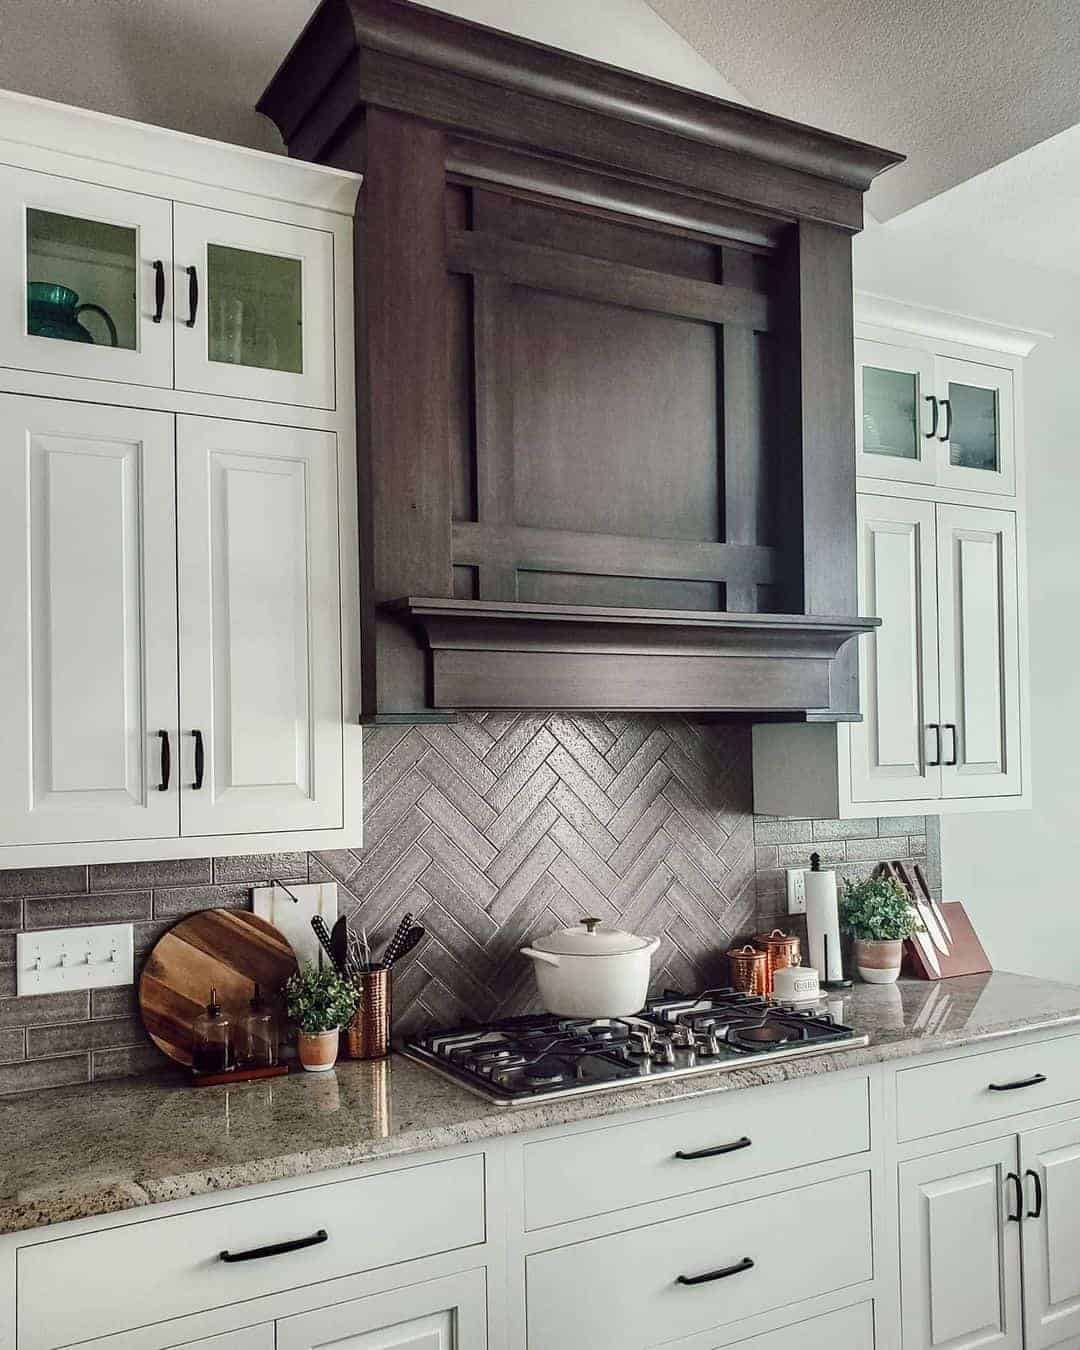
(53,311)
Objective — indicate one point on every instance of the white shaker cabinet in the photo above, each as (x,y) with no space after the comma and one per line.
(1050,1167)
(446,1314)
(260,634)
(960,1249)
(88,665)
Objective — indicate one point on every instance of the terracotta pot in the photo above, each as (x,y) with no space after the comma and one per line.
(878,962)
(318,1051)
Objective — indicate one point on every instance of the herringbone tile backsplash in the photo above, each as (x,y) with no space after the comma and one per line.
(492,830)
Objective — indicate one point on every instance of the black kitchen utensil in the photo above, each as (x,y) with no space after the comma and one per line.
(405,946)
(323,934)
(339,944)
(392,952)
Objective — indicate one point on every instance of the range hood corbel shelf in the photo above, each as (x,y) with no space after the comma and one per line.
(513,655)
(605,376)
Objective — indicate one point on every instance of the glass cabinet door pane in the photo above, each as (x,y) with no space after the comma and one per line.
(890,417)
(974,440)
(254,309)
(81,280)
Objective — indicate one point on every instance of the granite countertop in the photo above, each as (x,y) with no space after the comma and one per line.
(70,1153)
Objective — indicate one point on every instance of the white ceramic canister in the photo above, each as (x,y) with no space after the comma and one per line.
(794,986)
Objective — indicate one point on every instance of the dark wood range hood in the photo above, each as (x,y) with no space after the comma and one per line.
(604,364)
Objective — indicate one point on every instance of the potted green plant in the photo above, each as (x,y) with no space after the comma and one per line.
(320,1002)
(879,915)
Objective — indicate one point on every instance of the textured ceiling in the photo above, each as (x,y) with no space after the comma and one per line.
(956,85)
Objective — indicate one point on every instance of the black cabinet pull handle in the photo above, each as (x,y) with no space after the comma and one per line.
(932,400)
(951,727)
(1011,1176)
(936,761)
(159,291)
(193,296)
(200,760)
(745,1264)
(276,1248)
(733,1147)
(1033,1081)
(1037,1179)
(947,433)
(166,762)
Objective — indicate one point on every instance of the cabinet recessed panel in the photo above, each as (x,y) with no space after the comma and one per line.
(896,412)
(978,451)
(260,655)
(444,1314)
(86,520)
(1050,1158)
(968,1299)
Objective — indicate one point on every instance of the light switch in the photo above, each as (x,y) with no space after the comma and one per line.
(56,959)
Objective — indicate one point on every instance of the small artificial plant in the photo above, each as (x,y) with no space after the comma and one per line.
(878,910)
(319,999)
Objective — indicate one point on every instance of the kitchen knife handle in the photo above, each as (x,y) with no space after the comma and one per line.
(166,762)
(1012,1176)
(745,1264)
(936,761)
(276,1248)
(932,400)
(200,760)
(1033,1081)
(1037,1179)
(733,1147)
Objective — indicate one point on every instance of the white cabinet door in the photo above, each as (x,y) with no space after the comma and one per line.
(254,308)
(84,288)
(260,628)
(1050,1159)
(445,1314)
(960,1249)
(977,435)
(979,652)
(88,606)
(896,427)
(895,750)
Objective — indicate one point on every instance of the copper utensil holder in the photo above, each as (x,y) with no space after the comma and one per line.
(367,1035)
(748,969)
(781,949)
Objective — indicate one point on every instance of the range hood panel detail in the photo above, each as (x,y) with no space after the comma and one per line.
(605,376)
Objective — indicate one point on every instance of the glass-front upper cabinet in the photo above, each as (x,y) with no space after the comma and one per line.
(254,308)
(895,425)
(976,426)
(84,283)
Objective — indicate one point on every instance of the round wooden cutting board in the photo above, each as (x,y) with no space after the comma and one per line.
(227,949)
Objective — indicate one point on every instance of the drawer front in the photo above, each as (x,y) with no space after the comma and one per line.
(163,1268)
(978,1088)
(622,1165)
(845,1329)
(801,1243)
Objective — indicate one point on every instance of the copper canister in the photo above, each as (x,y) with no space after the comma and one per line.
(781,949)
(747,968)
(368,1034)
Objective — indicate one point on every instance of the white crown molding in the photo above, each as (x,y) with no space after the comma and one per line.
(885,311)
(59,129)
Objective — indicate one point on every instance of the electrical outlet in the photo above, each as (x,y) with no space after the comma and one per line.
(57,959)
(796,890)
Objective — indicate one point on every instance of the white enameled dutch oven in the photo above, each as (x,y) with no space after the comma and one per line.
(590,971)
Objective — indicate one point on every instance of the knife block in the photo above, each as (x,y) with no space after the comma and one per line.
(965,955)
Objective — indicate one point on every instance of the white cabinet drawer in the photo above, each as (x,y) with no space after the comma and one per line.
(961,1092)
(164,1268)
(801,1243)
(846,1329)
(762,1130)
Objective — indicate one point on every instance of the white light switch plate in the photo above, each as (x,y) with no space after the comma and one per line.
(74,958)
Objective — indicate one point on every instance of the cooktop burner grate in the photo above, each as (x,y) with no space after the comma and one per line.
(517,1060)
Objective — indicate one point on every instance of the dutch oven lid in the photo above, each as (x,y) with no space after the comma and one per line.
(590,938)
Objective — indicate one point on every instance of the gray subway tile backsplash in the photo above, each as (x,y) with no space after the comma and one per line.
(490,831)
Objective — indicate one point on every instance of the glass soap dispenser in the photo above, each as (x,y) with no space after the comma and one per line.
(257,1044)
(211,1034)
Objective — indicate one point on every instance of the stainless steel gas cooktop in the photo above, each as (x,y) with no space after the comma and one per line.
(524,1059)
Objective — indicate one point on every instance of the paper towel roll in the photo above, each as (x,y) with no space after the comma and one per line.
(823,924)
